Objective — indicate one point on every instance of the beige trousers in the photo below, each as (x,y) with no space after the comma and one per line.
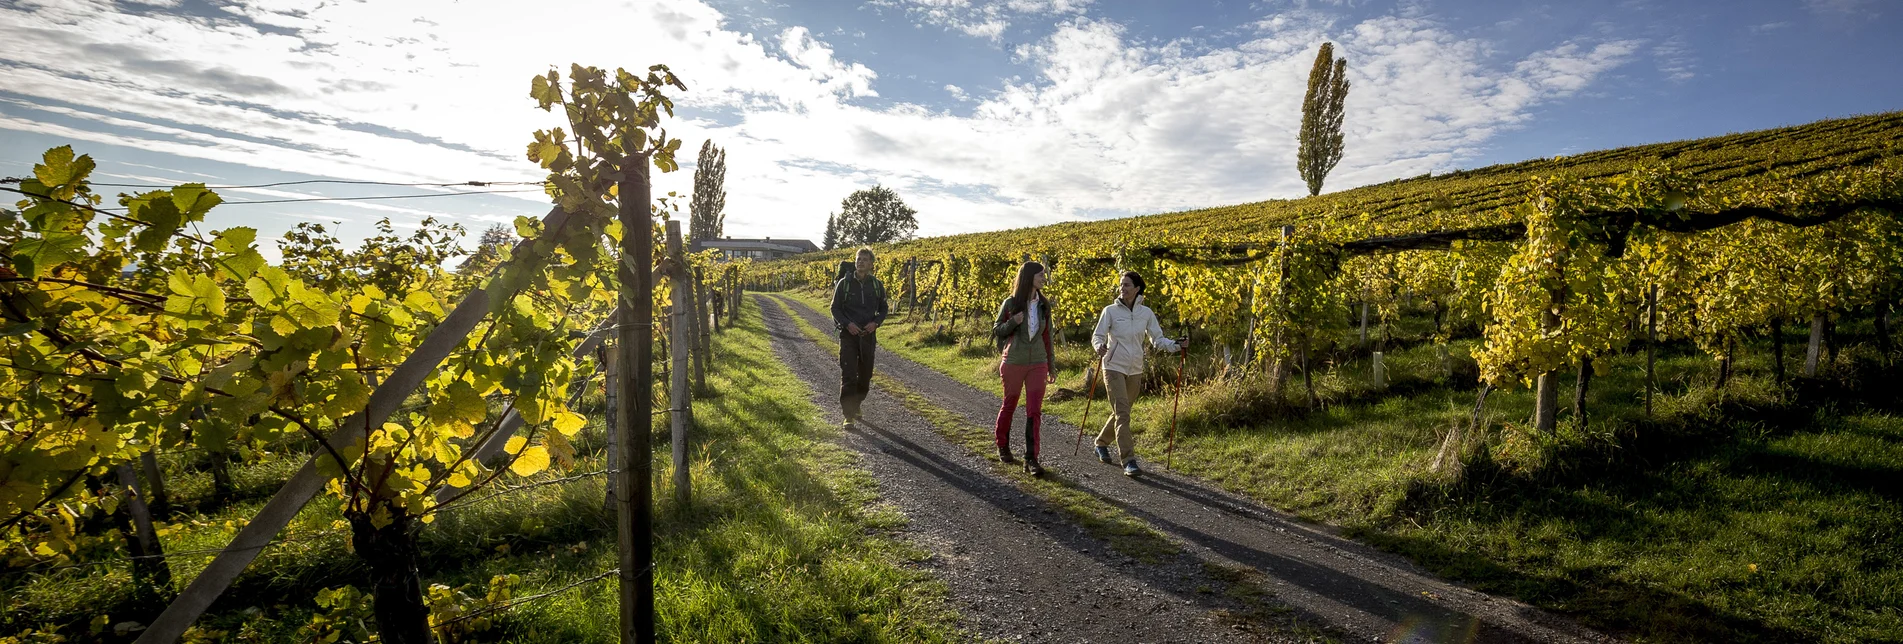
(1122,388)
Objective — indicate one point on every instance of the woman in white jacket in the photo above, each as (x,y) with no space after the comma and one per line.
(1118,341)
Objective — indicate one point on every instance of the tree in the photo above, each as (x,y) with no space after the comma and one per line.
(875,215)
(486,258)
(1321,118)
(832,233)
(707,218)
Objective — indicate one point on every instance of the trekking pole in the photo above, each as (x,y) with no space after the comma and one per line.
(1170,461)
(1090,390)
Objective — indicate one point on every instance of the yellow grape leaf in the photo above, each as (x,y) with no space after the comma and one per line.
(568,422)
(515,444)
(458,480)
(562,450)
(532,460)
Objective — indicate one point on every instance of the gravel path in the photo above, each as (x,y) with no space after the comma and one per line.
(1017,570)
(1366,594)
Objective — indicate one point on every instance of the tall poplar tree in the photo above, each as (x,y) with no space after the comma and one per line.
(1321,118)
(707,217)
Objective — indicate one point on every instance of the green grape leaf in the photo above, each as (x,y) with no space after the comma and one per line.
(240,266)
(58,168)
(36,257)
(193,200)
(232,241)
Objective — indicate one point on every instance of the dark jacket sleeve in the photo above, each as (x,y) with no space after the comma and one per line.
(878,315)
(839,304)
(1004,326)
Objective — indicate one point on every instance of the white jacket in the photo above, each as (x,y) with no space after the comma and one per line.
(1121,328)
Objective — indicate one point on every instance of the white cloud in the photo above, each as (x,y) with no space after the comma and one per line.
(1674,59)
(985,19)
(853,80)
(435,90)
(1842,8)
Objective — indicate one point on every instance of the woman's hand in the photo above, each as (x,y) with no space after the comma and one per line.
(1050,376)
(1019,318)
(1102,350)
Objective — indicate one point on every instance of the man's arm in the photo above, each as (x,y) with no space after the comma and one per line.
(878,317)
(839,304)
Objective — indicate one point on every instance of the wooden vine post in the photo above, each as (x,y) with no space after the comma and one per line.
(155,482)
(1280,366)
(677,386)
(703,342)
(635,520)
(154,574)
(1651,344)
(1816,343)
(611,384)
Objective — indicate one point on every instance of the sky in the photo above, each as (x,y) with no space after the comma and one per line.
(981,114)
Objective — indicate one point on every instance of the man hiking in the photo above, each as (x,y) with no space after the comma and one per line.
(858,310)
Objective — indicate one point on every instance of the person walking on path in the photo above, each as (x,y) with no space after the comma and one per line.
(1118,342)
(1023,330)
(858,310)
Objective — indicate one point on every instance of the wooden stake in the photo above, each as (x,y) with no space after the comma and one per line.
(680,325)
(635,520)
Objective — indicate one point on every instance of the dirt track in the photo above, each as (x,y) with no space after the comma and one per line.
(1019,570)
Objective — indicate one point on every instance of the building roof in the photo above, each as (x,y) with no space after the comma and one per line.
(765,243)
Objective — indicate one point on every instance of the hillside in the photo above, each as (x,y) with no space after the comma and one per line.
(1797,151)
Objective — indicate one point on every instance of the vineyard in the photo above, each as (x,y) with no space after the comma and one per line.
(364,445)
(1391,359)
(197,444)
(1552,262)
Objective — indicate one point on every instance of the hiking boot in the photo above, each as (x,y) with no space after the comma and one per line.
(1130,468)
(1103,454)
(1004,455)
(1031,467)
(848,423)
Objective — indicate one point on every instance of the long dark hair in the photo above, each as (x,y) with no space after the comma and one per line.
(1135,280)
(1026,273)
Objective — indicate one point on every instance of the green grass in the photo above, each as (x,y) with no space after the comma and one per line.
(785,540)
(1742,514)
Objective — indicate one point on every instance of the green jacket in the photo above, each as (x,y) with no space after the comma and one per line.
(1015,337)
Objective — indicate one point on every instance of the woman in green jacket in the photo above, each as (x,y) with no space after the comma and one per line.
(1023,328)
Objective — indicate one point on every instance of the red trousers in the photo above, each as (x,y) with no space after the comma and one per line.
(1017,378)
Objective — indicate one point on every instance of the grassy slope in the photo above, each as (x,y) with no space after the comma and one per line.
(1732,517)
(1798,151)
(785,541)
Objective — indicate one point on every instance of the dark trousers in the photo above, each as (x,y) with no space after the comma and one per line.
(855,369)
